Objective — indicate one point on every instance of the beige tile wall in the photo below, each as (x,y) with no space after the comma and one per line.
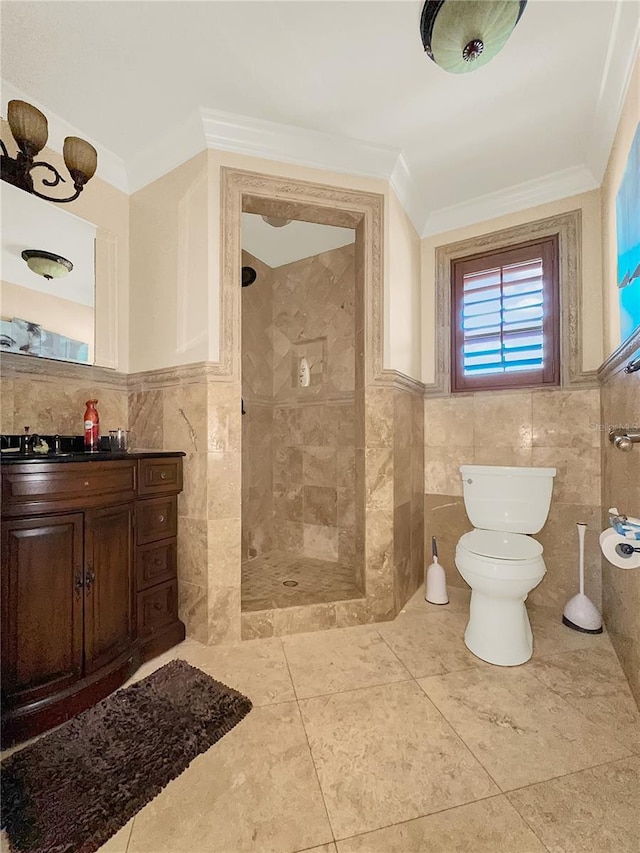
(257,423)
(174,417)
(621,488)
(408,498)
(55,402)
(314,480)
(299,443)
(544,428)
(314,316)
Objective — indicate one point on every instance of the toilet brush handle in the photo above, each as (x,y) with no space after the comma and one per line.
(582,528)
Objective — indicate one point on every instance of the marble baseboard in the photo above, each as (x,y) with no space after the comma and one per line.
(313,617)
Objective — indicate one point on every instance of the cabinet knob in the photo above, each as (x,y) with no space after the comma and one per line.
(163,475)
(78,584)
(161,519)
(158,562)
(89,578)
(157,605)
(86,482)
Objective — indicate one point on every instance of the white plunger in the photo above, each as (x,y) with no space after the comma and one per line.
(580,613)
(435,588)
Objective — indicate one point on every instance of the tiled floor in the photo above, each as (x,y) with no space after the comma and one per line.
(278,579)
(393,738)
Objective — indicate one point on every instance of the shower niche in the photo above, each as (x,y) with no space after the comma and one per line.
(308,360)
(302,484)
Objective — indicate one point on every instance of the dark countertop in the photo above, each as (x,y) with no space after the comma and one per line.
(97,456)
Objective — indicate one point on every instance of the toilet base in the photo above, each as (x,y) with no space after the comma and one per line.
(499,631)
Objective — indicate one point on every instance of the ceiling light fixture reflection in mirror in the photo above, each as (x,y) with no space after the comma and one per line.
(50,318)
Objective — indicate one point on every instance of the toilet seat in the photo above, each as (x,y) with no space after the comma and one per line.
(498,545)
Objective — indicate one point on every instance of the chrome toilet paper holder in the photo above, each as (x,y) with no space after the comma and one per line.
(626,527)
(624,437)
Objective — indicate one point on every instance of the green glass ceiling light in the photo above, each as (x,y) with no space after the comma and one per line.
(463,35)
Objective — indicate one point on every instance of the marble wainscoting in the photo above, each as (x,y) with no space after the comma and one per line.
(257,423)
(620,395)
(191,409)
(388,510)
(314,479)
(542,428)
(49,396)
(408,500)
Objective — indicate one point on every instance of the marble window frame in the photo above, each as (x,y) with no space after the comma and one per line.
(568,228)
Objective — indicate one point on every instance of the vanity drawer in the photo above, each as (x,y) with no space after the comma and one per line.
(67,485)
(155,563)
(156,518)
(157,607)
(160,476)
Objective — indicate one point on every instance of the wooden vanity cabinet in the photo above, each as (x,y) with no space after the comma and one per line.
(89,588)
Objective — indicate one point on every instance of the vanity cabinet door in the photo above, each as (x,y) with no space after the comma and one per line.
(41,606)
(109,585)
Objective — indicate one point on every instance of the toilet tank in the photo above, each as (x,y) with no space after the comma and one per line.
(514,500)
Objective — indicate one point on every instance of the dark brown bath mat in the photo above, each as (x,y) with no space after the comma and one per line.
(77,786)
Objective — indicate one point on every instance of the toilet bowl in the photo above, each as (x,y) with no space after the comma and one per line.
(499,560)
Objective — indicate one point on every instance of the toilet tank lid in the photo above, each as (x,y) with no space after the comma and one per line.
(501,546)
(505,471)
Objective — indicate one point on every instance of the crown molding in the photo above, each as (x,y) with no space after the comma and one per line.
(622,50)
(284,143)
(111,168)
(557,185)
(405,187)
(290,144)
(180,143)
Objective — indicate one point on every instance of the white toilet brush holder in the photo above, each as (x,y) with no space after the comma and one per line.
(580,613)
(435,588)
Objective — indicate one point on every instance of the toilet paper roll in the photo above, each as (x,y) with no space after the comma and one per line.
(609,539)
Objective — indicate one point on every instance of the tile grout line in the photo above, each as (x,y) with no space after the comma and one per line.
(126,849)
(553,779)
(576,709)
(306,737)
(459,736)
(426,815)
(520,787)
(356,689)
(397,657)
(570,773)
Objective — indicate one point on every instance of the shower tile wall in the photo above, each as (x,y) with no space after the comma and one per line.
(545,428)
(257,422)
(306,309)
(621,489)
(408,511)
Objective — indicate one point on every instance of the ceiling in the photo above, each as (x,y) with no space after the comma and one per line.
(292,242)
(132,75)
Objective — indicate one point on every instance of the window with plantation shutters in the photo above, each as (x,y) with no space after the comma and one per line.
(505,318)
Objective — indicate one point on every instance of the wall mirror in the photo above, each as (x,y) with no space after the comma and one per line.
(46,318)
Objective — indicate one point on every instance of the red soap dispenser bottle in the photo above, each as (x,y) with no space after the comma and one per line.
(91,427)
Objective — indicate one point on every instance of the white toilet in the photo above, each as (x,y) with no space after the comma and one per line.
(498,560)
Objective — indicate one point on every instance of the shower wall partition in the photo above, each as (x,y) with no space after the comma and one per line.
(388,438)
(300,542)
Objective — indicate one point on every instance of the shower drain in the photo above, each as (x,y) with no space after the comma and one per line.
(289,583)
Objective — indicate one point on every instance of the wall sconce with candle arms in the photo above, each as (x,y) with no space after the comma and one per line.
(30,130)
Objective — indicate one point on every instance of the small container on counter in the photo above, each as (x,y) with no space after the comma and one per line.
(91,427)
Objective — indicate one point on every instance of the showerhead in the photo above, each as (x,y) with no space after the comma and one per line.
(249,275)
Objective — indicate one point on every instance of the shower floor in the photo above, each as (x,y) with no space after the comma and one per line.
(278,579)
